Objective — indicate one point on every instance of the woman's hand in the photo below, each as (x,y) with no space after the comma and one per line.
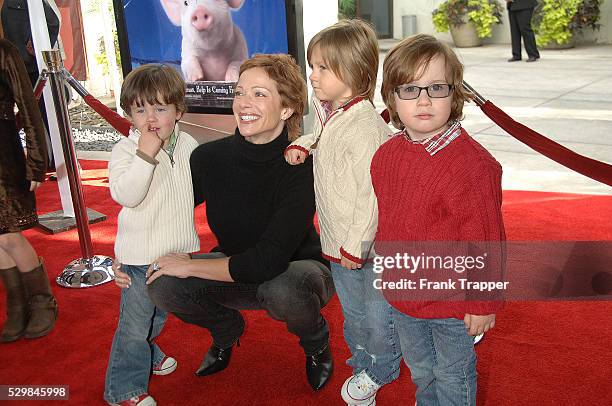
(295,156)
(477,325)
(175,264)
(348,264)
(121,278)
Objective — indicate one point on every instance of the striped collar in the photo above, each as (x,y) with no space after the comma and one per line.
(438,142)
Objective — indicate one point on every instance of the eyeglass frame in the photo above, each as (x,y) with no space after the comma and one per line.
(426,88)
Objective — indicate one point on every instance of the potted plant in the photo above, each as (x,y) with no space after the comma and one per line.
(347,9)
(556,22)
(468,20)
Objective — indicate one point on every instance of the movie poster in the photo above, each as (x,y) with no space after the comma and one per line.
(205,40)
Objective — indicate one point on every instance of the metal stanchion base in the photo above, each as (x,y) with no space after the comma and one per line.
(85,273)
(55,222)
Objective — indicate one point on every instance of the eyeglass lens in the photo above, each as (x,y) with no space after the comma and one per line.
(410,92)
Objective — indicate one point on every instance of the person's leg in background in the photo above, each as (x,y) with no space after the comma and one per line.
(17,309)
(524,23)
(515,35)
(31,279)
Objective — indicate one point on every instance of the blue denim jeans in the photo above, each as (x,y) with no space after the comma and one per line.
(133,352)
(369,329)
(440,355)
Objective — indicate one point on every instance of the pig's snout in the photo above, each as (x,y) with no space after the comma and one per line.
(201,19)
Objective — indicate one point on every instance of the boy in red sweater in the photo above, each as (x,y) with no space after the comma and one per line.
(433,182)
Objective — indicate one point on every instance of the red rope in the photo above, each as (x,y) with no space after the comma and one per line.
(115,120)
(599,171)
(119,123)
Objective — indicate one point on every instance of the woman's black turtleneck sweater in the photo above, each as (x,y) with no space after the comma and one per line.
(259,207)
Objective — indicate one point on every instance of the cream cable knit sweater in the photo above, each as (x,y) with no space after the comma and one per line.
(346,204)
(157,215)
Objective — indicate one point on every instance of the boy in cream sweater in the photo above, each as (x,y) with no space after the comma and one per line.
(346,134)
(150,177)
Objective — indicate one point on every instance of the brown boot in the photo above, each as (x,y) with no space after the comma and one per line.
(17,310)
(43,307)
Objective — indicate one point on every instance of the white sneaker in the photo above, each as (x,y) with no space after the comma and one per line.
(167,366)
(359,390)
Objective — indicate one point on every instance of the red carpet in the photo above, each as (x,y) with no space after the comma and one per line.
(538,354)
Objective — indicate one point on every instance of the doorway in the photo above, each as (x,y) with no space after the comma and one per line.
(379,13)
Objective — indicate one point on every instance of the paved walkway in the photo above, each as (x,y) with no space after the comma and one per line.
(566,95)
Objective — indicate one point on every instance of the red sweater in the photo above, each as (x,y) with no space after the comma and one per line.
(454,195)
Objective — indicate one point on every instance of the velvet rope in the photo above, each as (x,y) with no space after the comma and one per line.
(119,123)
(115,120)
(596,170)
(599,171)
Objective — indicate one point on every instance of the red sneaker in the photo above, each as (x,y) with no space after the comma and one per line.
(167,366)
(143,400)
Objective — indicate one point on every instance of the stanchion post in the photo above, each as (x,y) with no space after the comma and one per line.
(478,99)
(74,83)
(54,64)
(89,270)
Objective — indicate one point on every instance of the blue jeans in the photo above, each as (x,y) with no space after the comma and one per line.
(369,329)
(133,353)
(440,355)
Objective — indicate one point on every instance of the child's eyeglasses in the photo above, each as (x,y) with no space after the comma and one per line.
(435,91)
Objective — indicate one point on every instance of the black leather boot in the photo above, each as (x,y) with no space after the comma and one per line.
(319,367)
(216,360)
(17,310)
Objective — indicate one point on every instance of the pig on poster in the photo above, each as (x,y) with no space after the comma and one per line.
(205,40)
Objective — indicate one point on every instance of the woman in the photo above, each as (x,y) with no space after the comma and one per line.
(261,211)
(31,307)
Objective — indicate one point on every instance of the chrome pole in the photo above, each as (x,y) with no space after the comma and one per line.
(478,99)
(90,270)
(74,83)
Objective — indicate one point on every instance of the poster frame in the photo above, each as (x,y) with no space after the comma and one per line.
(295,46)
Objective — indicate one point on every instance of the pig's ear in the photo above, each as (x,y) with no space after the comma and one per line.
(235,3)
(173,10)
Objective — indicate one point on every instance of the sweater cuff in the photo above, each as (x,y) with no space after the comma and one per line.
(241,271)
(330,258)
(146,157)
(299,148)
(352,258)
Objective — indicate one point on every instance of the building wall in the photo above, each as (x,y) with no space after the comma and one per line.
(317,14)
(501,33)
